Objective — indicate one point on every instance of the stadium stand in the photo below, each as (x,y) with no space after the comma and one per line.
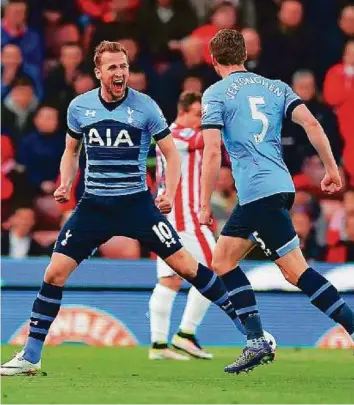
(47,50)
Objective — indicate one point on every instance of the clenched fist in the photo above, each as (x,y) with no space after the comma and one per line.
(331,182)
(62,194)
(206,216)
(164,203)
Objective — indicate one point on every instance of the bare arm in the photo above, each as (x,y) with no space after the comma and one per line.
(173,173)
(302,116)
(210,170)
(68,168)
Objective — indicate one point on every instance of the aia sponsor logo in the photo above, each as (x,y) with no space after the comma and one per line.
(85,325)
(335,338)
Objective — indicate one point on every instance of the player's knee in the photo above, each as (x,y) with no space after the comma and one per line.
(292,265)
(59,269)
(55,276)
(289,277)
(183,263)
(215,264)
(219,265)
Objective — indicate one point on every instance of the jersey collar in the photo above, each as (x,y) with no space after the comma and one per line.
(238,71)
(114,104)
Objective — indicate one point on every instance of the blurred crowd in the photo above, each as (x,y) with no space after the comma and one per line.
(46,60)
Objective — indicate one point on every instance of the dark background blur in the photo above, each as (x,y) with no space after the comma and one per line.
(47,49)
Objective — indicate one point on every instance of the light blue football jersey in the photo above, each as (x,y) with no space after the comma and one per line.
(249,109)
(117,138)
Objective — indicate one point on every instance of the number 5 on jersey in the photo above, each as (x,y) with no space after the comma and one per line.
(257,115)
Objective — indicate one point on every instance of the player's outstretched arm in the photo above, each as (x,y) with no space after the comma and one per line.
(331,182)
(210,170)
(68,168)
(173,174)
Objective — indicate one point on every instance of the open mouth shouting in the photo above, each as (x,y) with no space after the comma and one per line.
(118,86)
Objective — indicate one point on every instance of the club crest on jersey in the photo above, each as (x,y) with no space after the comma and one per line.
(121,138)
(68,235)
(130,113)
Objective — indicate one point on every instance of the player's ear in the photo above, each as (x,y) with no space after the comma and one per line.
(213,60)
(97,73)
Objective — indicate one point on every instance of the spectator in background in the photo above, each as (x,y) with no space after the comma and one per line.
(94,9)
(7,165)
(40,150)
(338,92)
(17,242)
(56,23)
(336,227)
(14,188)
(65,32)
(165,21)
(304,228)
(83,82)
(17,109)
(336,37)
(309,179)
(39,12)
(138,80)
(266,14)
(254,62)
(52,17)
(291,39)
(193,83)
(343,251)
(224,15)
(12,67)
(59,84)
(142,65)
(15,31)
(106,10)
(118,21)
(296,145)
(192,64)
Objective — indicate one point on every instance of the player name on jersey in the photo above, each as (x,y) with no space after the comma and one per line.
(238,83)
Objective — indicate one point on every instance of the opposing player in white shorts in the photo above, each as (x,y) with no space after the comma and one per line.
(198,239)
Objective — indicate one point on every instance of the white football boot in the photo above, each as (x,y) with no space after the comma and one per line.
(19,366)
(189,344)
(166,354)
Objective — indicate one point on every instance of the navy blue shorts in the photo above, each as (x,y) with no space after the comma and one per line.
(266,222)
(96,219)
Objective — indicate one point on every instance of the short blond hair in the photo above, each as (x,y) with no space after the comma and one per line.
(107,46)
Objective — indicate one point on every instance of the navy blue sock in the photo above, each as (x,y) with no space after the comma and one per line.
(211,286)
(45,309)
(325,297)
(244,301)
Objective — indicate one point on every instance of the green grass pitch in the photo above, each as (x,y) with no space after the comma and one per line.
(83,374)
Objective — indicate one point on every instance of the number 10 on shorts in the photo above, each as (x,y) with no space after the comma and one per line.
(164,233)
